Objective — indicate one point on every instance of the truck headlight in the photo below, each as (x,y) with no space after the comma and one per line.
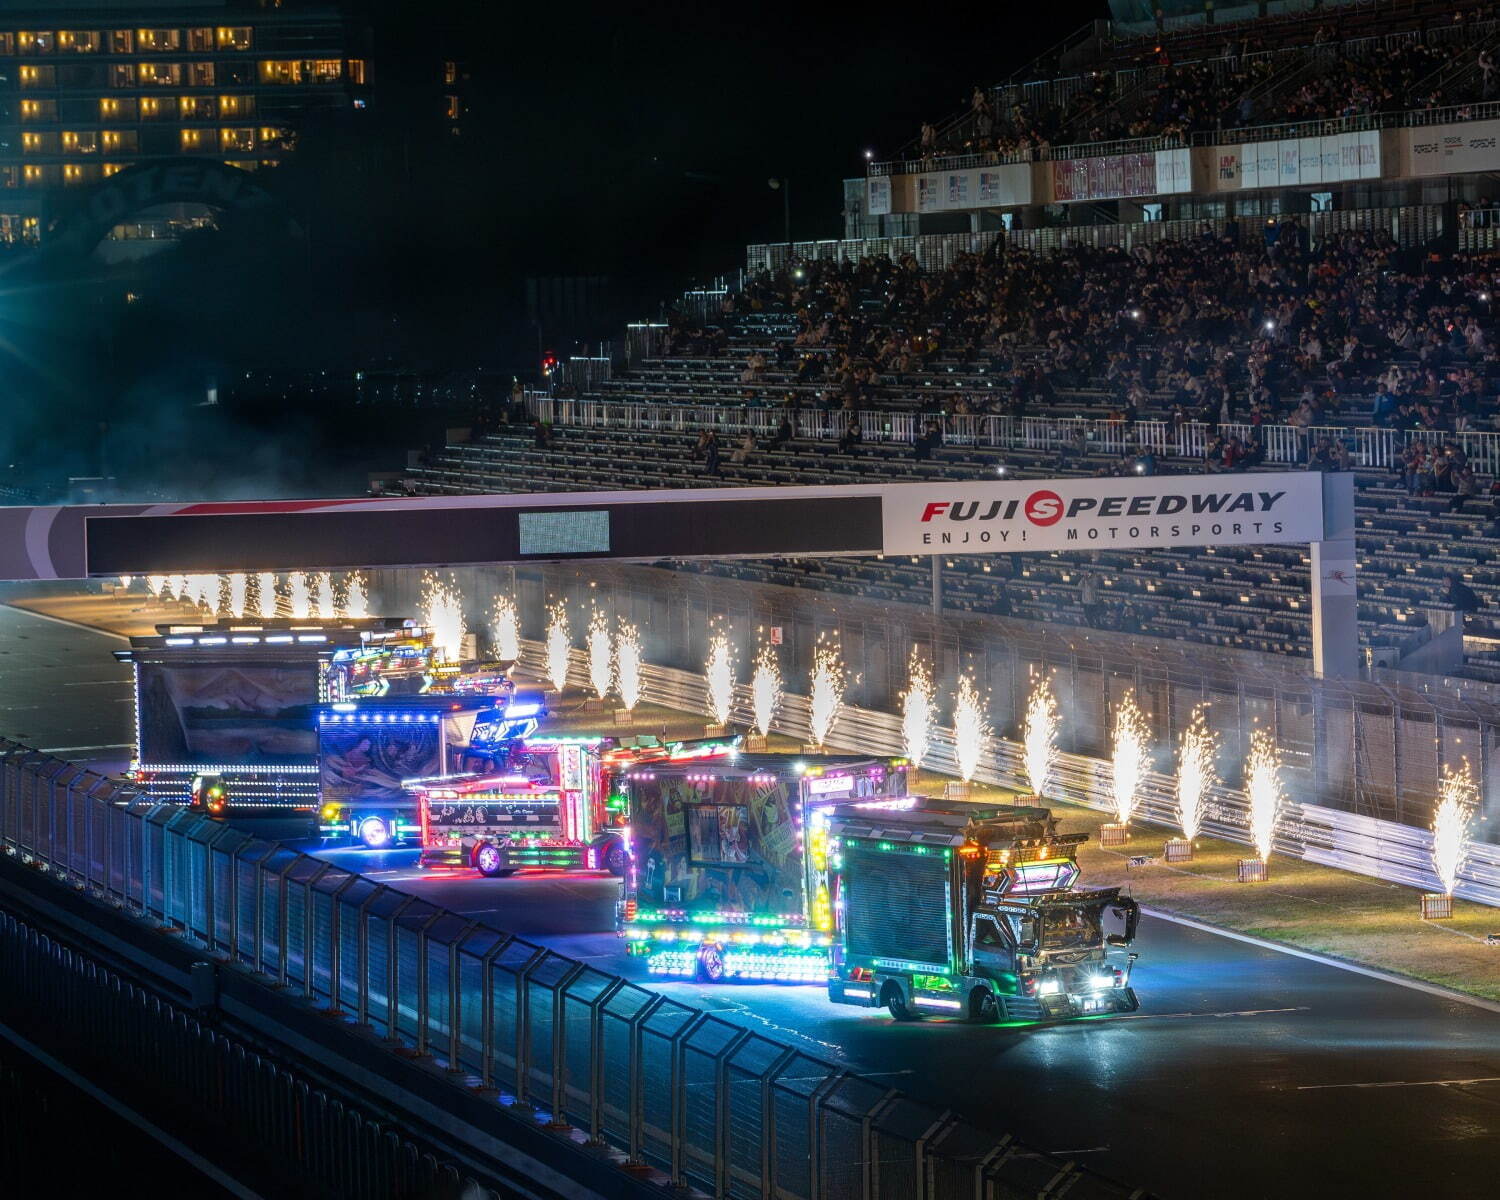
(1049,987)
(1100,982)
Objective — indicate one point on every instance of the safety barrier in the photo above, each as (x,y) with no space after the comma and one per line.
(711,1104)
(1331,837)
(1289,445)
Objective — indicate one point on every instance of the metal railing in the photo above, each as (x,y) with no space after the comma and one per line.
(1285,445)
(711,1104)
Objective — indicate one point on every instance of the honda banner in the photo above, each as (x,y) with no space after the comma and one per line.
(1083,514)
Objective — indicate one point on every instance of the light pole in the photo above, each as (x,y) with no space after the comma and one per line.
(784,186)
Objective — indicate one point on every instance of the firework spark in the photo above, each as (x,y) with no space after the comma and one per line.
(765,688)
(601,654)
(1450,824)
(557,646)
(720,672)
(1129,755)
(157,585)
(265,594)
(299,595)
(826,693)
(204,591)
(970,730)
(917,705)
(628,665)
(239,587)
(126,581)
(443,615)
(1196,775)
(505,629)
(178,586)
(1039,734)
(356,596)
(1263,784)
(322,585)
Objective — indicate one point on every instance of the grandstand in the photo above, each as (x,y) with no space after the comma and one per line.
(1331,324)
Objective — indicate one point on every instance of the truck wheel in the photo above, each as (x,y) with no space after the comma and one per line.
(895,1000)
(983,1008)
(490,863)
(711,964)
(614,859)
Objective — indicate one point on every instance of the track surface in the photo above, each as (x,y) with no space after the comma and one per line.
(1247,1073)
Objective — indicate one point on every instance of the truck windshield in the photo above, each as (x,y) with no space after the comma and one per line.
(1069,928)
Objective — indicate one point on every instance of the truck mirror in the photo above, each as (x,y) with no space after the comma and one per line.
(1116,939)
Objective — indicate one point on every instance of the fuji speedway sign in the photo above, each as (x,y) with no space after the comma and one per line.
(1080,514)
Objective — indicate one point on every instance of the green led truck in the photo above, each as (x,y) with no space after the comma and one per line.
(971,910)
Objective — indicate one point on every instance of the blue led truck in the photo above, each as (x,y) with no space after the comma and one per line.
(971,911)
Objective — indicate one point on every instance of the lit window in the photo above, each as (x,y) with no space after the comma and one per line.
(150,108)
(115,141)
(192,139)
(38,110)
(33,77)
(328,70)
(78,41)
(453,107)
(200,41)
(280,70)
(72,173)
(28,42)
(236,106)
(270,135)
(86,142)
(157,39)
(235,37)
(7,48)
(121,41)
(237,139)
(201,74)
(356,70)
(242,164)
(159,74)
(450,72)
(112,168)
(196,108)
(33,175)
(31,142)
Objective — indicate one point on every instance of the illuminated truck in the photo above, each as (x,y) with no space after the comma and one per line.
(970,910)
(544,805)
(402,661)
(368,749)
(728,864)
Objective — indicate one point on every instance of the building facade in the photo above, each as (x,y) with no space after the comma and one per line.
(87,92)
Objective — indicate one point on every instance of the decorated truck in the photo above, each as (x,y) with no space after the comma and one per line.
(543,804)
(970,910)
(728,859)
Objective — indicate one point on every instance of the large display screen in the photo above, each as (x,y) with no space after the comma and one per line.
(897,905)
(369,762)
(563,532)
(227,714)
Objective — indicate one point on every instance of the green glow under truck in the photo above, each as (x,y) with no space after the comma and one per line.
(970,910)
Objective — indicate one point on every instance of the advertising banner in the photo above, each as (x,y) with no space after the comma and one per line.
(1296,162)
(1000,186)
(227,714)
(1077,514)
(1451,149)
(1153,173)
(878,197)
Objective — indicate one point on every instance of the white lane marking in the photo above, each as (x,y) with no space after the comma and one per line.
(98,683)
(42,616)
(1417,985)
(1400,1083)
(75,749)
(1248,1012)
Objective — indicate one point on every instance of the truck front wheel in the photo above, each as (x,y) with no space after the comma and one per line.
(983,1008)
(895,1000)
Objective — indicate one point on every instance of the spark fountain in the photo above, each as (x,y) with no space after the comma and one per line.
(1039,734)
(628,666)
(265,594)
(719,670)
(178,586)
(1195,779)
(917,705)
(157,585)
(205,592)
(601,654)
(239,589)
(505,629)
(765,690)
(442,610)
(323,592)
(299,595)
(1450,838)
(971,732)
(826,690)
(356,596)
(1263,787)
(1128,759)
(126,581)
(557,646)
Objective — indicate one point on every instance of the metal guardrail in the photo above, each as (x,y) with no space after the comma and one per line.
(713,1105)
(1287,445)
(1330,837)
